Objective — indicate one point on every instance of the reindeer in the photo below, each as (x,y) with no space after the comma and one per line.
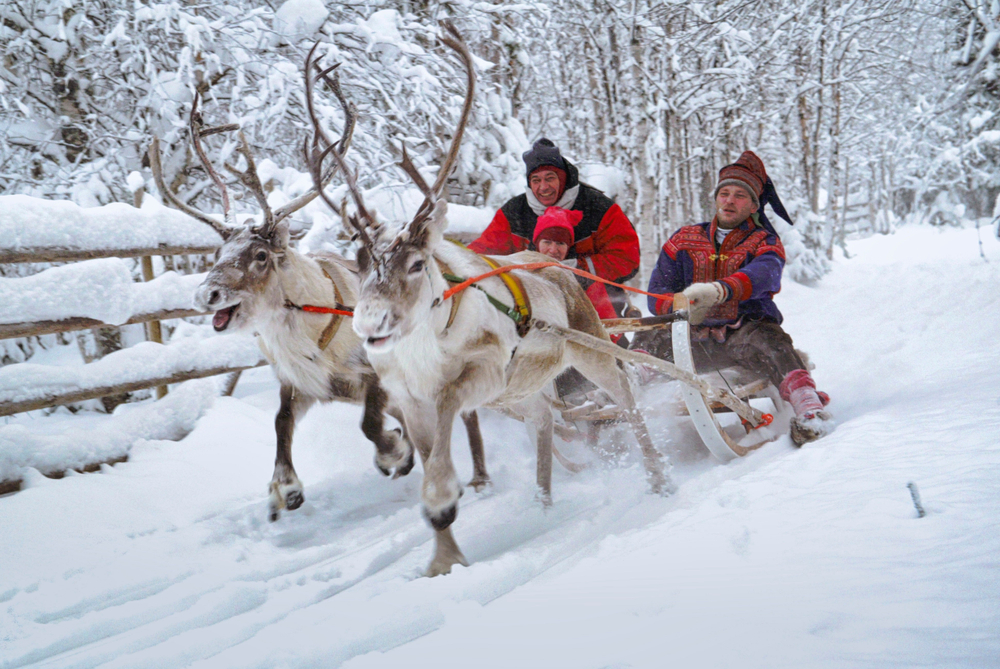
(260,283)
(437,359)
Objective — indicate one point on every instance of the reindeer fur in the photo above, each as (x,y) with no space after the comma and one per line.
(260,276)
(433,371)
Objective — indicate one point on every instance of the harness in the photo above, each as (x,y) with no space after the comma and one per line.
(520,313)
(336,319)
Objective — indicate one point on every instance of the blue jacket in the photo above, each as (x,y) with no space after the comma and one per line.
(749,262)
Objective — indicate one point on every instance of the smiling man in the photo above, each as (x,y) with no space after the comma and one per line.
(603,242)
(729,270)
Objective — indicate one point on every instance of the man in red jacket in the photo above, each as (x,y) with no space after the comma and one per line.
(604,240)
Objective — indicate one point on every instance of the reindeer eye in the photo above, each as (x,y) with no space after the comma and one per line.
(261,256)
(417,267)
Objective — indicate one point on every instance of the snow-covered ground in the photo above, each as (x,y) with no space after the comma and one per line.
(787,558)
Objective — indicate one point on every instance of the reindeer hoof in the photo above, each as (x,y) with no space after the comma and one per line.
(385,471)
(443,518)
(480,483)
(273,514)
(294,499)
(405,467)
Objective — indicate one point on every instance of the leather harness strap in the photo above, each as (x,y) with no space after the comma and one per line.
(450,277)
(335,320)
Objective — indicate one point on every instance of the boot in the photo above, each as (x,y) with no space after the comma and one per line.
(810,422)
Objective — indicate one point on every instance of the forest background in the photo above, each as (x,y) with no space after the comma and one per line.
(869,114)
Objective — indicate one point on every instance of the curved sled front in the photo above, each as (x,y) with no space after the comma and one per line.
(718,442)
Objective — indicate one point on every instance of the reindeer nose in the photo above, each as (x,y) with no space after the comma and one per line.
(213,297)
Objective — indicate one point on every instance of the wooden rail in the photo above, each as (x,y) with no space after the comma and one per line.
(94,392)
(52,254)
(12,330)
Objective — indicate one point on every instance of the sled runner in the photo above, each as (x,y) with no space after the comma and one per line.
(704,395)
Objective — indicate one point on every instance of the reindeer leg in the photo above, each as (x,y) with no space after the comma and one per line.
(446,553)
(537,410)
(392,449)
(603,370)
(441,489)
(285,490)
(480,479)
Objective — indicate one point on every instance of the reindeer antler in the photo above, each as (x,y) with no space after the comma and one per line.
(154,165)
(454,41)
(320,146)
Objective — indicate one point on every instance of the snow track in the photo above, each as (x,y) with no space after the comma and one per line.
(786,558)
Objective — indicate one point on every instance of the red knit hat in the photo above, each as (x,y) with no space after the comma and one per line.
(557,224)
(748,171)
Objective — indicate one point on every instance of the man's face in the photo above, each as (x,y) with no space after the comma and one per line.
(545,185)
(733,205)
(553,249)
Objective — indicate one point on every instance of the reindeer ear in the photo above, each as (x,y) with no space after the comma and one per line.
(280,235)
(429,232)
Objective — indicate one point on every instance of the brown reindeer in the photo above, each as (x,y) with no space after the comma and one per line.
(436,358)
(260,283)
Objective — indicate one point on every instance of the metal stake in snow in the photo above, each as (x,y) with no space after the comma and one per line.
(915,495)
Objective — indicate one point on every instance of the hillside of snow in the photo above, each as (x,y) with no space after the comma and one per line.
(786,558)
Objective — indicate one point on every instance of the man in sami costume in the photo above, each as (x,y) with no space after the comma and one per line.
(729,270)
(603,241)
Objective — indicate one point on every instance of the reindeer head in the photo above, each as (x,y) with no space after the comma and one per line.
(251,256)
(396,291)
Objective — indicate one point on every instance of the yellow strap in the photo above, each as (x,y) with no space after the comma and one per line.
(516,290)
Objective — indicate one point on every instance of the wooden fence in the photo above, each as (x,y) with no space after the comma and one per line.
(180,365)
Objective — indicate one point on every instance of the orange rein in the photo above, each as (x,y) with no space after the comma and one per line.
(499,270)
(541,265)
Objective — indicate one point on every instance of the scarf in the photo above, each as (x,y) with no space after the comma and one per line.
(565,202)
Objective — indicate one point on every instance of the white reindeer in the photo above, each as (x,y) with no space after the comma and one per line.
(436,361)
(260,283)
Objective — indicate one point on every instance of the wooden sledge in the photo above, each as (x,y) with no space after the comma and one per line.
(702,398)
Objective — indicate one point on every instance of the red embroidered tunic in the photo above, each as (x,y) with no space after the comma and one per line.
(749,260)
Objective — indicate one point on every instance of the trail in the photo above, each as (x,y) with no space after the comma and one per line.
(810,557)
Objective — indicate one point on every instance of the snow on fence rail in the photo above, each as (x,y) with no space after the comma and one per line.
(37,230)
(99,291)
(27,387)
(93,293)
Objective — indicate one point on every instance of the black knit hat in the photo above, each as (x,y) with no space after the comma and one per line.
(543,153)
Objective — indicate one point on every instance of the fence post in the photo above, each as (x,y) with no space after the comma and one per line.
(153,330)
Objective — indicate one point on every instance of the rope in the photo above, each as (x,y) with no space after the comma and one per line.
(542,265)
(347,311)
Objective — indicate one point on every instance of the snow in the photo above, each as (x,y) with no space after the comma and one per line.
(785,558)
(28,223)
(102,289)
(190,349)
(297,19)
(86,440)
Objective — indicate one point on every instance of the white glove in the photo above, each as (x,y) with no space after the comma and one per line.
(702,297)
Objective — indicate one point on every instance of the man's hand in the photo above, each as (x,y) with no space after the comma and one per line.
(702,297)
